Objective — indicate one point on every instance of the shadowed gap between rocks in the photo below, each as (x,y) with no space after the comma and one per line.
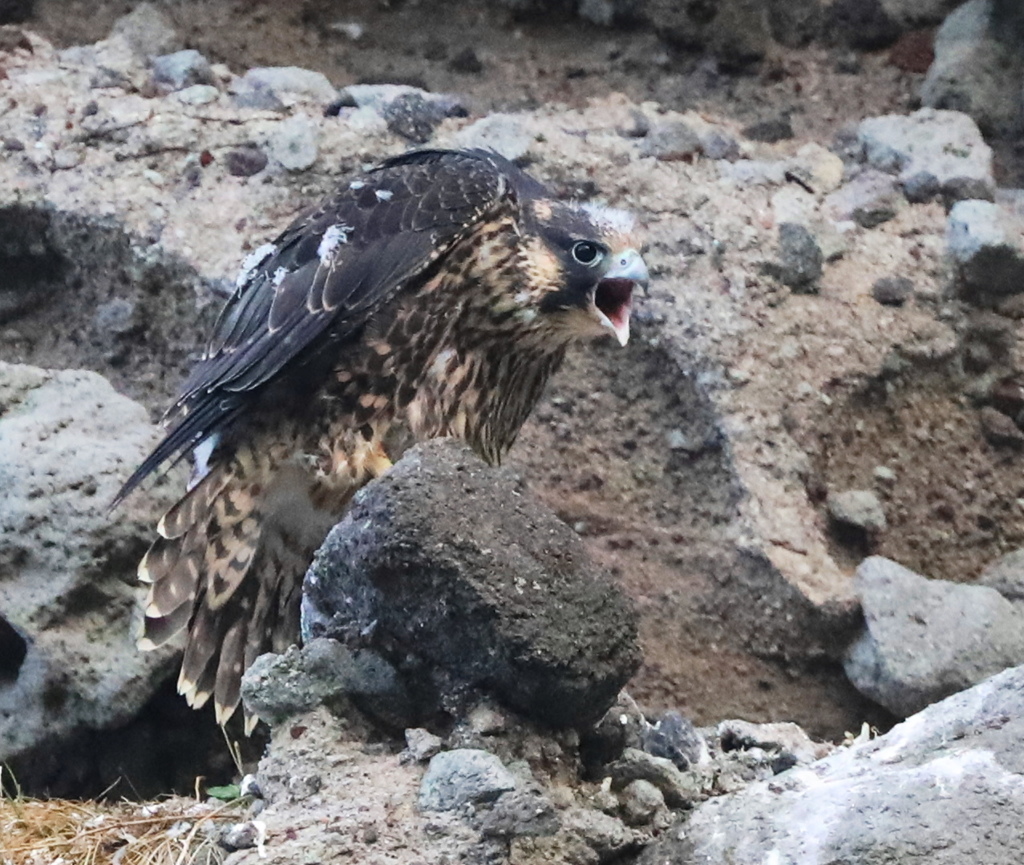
(33,272)
(159,752)
(13,649)
(82,293)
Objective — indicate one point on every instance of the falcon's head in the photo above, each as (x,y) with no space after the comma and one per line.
(584,264)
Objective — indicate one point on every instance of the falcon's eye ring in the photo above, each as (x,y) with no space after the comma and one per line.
(587,253)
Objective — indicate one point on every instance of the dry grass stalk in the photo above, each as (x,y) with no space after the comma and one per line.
(174,831)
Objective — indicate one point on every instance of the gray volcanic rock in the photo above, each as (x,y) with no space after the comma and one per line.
(147,31)
(324,672)
(463,776)
(984,243)
(925,639)
(182,69)
(68,659)
(800,258)
(946,787)
(445,560)
(1006,576)
(930,149)
(288,84)
(860,509)
(979,66)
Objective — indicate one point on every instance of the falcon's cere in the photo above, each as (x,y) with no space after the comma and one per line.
(432,297)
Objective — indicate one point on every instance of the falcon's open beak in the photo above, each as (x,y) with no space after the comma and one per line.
(613,298)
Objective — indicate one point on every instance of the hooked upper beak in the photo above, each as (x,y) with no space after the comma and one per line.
(613,299)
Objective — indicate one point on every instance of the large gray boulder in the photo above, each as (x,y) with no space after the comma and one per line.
(926,639)
(946,787)
(68,660)
(979,66)
(444,562)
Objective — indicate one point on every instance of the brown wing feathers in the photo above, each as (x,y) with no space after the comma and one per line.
(213,568)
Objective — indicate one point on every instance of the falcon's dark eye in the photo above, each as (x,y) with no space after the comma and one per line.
(587,253)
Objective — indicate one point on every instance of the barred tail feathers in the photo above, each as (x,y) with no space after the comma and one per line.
(228,565)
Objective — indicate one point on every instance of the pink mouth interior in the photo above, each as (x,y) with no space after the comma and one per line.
(614,297)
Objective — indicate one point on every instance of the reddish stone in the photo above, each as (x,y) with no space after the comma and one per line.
(914,51)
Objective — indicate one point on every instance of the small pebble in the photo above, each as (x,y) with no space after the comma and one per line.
(413,117)
(245,161)
(671,142)
(422,744)
(884,475)
(198,94)
(485,721)
(858,508)
(293,144)
(998,429)
(240,836)
(770,131)
(641,800)
(892,290)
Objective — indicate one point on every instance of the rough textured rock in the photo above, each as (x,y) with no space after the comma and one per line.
(800,258)
(979,67)
(945,787)
(463,777)
(422,744)
(789,742)
(892,290)
(675,738)
(795,23)
(672,141)
(319,770)
(324,672)
(68,660)
(869,199)
(926,639)
(998,429)
(679,789)
(861,509)
(771,131)
(736,30)
(444,560)
(519,813)
(182,69)
(918,13)
(641,801)
(985,244)
(293,144)
(1006,576)
(502,133)
(147,30)
(942,149)
(288,84)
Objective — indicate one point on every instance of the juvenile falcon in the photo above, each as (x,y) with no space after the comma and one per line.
(432,297)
